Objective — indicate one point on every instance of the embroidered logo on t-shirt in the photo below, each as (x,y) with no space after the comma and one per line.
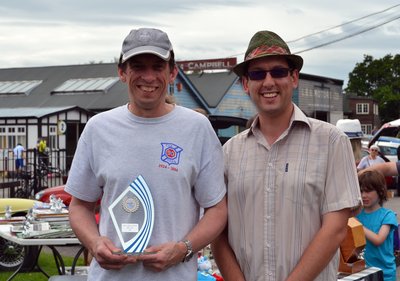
(170,153)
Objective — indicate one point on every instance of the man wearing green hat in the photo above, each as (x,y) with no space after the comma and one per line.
(291,180)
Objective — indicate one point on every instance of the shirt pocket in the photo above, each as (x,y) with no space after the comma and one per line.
(300,183)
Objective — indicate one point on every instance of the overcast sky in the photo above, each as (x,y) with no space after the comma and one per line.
(64,32)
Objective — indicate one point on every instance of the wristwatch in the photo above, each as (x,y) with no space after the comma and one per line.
(189,250)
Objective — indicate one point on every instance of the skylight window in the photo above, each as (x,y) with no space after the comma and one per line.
(18,87)
(82,86)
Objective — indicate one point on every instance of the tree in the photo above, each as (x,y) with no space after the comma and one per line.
(379,79)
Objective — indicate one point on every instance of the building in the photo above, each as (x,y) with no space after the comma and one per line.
(320,97)
(364,109)
(62,127)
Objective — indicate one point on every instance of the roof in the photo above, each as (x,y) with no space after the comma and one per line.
(35,112)
(55,85)
(321,79)
(53,77)
(213,86)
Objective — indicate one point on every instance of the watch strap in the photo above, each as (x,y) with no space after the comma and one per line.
(189,250)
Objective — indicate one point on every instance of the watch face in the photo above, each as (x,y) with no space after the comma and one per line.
(189,256)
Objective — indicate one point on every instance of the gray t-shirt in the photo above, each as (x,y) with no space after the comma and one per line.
(117,146)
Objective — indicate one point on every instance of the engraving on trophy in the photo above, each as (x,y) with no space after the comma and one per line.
(131,204)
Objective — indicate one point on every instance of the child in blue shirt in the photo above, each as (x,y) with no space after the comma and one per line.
(379,224)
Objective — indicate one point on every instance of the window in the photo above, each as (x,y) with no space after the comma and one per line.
(11,135)
(362,108)
(18,87)
(366,128)
(376,109)
(84,86)
(52,137)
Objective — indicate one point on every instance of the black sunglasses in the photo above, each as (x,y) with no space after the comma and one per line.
(275,73)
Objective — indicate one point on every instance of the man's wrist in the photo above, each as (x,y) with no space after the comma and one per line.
(189,250)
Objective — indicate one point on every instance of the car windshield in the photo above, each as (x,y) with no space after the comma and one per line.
(387,150)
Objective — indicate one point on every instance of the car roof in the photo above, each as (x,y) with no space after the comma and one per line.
(387,144)
(390,129)
(223,121)
(389,139)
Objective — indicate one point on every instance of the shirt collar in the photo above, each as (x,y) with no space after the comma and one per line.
(298,116)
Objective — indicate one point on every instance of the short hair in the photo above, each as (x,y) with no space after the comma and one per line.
(374,180)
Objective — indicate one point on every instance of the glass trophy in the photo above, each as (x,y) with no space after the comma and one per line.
(132,214)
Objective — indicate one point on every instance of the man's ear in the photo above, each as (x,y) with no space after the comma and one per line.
(245,85)
(121,74)
(173,74)
(295,78)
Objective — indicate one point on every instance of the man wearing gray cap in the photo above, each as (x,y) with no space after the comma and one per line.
(153,164)
(291,180)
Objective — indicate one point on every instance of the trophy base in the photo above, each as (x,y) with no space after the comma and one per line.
(351,267)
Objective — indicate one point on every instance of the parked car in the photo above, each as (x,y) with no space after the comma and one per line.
(227,126)
(58,191)
(12,254)
(365,140)
(19,206)
(388,146)
(392,130)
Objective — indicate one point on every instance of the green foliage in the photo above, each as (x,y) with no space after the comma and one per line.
(47,263)
(379,79)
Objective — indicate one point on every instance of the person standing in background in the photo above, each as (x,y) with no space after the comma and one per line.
(19,153)
(41,147)
(372,159)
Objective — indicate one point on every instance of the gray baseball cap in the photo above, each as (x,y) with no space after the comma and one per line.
(146,41)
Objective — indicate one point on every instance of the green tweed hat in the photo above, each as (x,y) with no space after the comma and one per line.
(267,44)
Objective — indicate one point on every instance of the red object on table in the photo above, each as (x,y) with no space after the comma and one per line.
(217,277)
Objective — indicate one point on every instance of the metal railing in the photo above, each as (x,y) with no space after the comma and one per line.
(37,173)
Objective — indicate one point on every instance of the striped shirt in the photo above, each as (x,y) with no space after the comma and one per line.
(278,194)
